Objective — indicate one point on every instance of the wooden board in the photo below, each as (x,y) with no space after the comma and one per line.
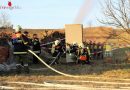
(74,33)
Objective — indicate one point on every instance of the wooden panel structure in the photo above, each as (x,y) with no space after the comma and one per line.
(74,33)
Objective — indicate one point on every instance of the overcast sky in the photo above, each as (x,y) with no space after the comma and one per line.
(51,13)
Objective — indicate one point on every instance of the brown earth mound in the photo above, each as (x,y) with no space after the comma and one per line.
(3,54)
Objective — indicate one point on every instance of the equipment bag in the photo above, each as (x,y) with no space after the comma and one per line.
(83,58)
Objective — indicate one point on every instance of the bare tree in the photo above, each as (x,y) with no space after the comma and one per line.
(4,21)
(117,13)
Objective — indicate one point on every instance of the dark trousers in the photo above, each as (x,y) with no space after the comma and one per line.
(21,59)
(95,54)
(35,60)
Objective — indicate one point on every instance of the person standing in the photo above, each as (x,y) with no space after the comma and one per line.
(108,50)
(36,47)
(91,49)
(20,46)
(95,50)
(99,51)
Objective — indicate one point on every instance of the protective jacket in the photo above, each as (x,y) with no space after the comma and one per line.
(20,43)
(36,45)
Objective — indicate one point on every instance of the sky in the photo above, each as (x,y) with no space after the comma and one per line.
(52,13)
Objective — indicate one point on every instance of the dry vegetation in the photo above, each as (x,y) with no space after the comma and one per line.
(98,34)
(115,70)
(94,75)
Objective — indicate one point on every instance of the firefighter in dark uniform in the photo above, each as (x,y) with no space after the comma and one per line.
(83,54)
(36,47)
(95,50)
(57,50)
(99,50)
(74,48)
(91,48)
(21,45)
(102,50)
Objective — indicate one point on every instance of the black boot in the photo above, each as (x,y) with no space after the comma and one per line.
(26,69)
(18,69)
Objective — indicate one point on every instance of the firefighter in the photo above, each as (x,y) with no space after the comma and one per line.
(95,50)
(26,37)
(57,50)
(83,54)
(108,50)
(20,43)
(71,50)
(36,47)
(74,48)
(99,50)
(102,50)
(90,45)
(68,48)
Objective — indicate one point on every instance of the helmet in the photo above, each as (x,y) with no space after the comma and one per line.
(81,45)
(74,43)
(18,28)
(57,42)
(25,32)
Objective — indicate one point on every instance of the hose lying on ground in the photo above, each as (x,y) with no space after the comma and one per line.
(43,62)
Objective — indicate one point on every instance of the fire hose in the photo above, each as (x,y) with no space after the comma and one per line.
(49,66)
(43,62)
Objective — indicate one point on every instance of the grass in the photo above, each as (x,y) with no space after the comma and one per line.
(97,70)
(112,71)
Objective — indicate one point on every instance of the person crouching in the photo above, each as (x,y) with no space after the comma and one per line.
(56,50)
(83,55)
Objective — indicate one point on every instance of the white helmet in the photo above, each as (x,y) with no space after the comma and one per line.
(18,28)
(74,43)
(57,42)
(81,45)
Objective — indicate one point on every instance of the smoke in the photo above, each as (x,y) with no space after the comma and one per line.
(84,10)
